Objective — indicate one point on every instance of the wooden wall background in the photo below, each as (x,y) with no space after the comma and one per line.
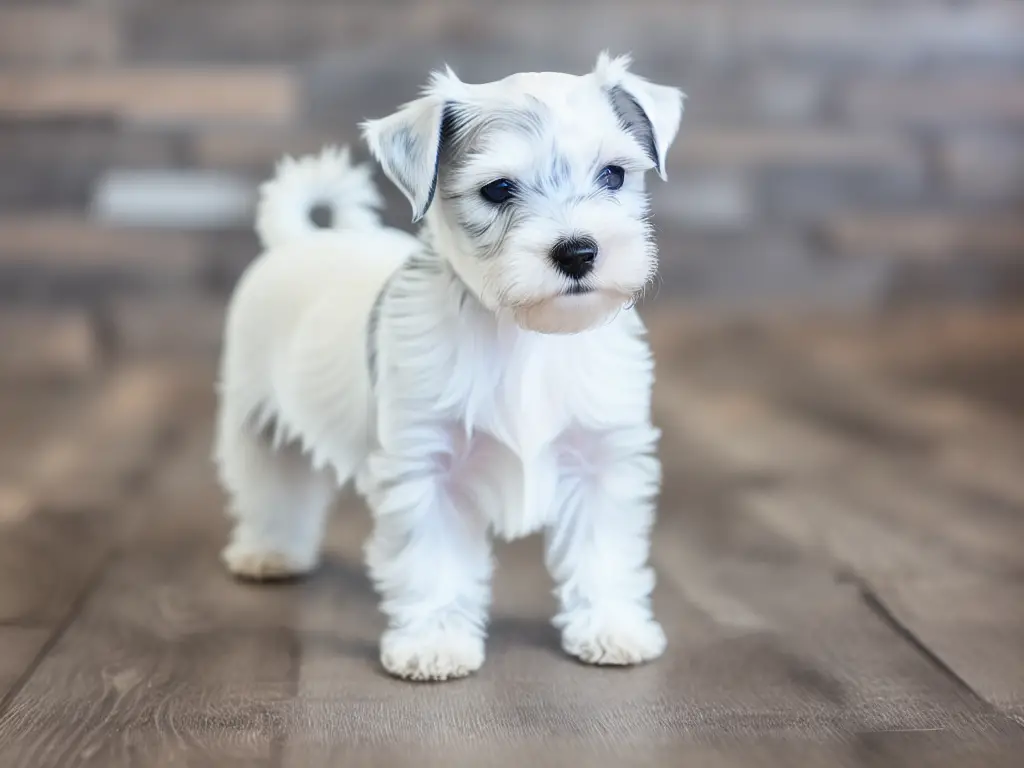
(842,154)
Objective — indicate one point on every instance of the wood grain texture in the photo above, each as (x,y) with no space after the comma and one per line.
(873,475)
(833,595)
(69,458)
(21,646)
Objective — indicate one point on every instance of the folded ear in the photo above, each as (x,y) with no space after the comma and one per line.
(407,144)
(649,111)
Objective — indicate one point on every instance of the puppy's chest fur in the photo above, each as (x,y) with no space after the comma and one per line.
(513,402)
(516,417)
(525,400)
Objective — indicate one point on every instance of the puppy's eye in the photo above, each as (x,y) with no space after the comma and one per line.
(611,177)
(498,191)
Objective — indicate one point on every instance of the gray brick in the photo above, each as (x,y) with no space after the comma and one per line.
(167,326)
(967,282)
(984,167)
(68,259)
(162,96)
(705,199)
(758,95)
(878,35)
(928,237)
(57,36)
(966,99)
(265,30)
(829,149)
(56,162)
(174,199)
(761,267)
(248,149)
(758,147)
(810,193)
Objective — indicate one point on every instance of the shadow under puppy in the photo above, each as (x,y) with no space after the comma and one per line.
(489,377)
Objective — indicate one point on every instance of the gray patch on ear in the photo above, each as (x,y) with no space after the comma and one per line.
(444,134)
(561,171)
(634,121)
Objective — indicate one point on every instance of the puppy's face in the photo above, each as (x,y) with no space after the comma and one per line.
(533,186)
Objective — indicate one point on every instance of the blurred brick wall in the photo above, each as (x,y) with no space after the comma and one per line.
(836,153)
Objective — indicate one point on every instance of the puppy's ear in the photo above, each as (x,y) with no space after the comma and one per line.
(408,143)
(650,112)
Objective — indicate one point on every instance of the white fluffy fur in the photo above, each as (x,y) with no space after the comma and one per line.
(456,377)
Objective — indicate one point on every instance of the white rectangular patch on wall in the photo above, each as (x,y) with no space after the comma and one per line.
(178,199)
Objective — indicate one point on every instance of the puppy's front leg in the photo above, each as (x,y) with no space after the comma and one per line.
(598,543)
(430,559)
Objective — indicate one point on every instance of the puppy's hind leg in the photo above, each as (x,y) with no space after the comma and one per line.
(279,502)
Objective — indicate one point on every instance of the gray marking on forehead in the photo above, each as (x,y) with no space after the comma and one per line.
(468,126)
(560,171)
(471,126)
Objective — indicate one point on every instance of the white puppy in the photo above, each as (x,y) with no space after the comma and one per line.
(490,377)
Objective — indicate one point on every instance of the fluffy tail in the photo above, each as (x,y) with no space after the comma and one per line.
(324,191)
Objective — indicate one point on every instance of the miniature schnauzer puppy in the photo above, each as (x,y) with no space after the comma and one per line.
(488,378)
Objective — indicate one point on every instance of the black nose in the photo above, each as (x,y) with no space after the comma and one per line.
(574,256)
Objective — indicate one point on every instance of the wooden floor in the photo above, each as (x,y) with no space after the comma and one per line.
(840,553)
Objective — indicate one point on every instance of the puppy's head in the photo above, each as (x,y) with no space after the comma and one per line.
(533,186)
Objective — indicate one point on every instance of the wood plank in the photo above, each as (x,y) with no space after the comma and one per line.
(818,663)
(781,653)
(964,611)
(168,658)
(762,587)
(19,648)
(67,482)
(55,534)
(974,624)
(766,648)
(877,750)
(855,377)
(873,497)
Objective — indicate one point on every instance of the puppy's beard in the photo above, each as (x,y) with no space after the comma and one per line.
(570,313)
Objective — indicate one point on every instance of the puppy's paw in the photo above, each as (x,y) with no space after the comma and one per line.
(434,654)
(264,565)
(614,641)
